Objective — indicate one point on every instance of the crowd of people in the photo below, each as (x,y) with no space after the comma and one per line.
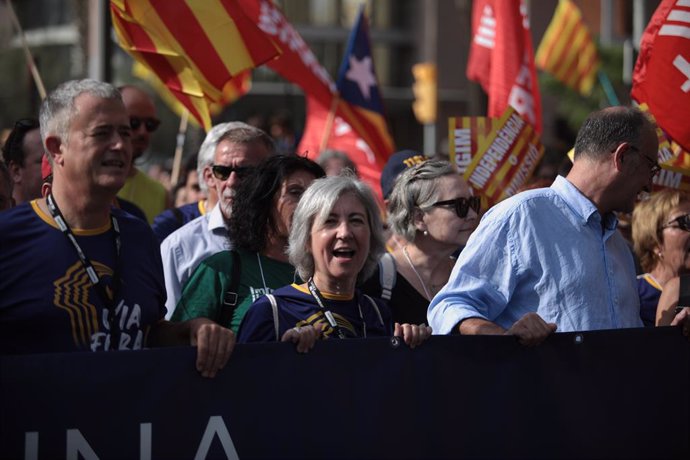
(271,246)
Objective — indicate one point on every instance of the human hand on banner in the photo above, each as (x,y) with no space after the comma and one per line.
(214,344)
(531,329)
(413,335)
(304,337)
(683,318)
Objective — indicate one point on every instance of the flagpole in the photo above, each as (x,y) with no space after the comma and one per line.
(181,134)
(329,124)
(608,88)
(29,58)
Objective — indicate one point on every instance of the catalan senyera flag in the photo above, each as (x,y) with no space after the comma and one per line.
(661,78)
(195,47)
(502,58)
(567,50)
(508,150)
(232,91)
(298,64)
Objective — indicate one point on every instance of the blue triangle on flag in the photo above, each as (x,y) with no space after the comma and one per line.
(357,81)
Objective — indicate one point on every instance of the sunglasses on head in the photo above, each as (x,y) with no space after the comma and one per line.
(222,172)
(462,205)
(151,124)
(681,222)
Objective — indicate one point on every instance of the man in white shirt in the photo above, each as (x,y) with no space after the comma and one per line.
(238,149)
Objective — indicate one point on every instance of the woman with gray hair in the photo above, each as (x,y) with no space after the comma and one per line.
(432,213)
(335,241)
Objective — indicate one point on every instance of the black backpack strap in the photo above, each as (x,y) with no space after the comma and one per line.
(684,291)
(231,297)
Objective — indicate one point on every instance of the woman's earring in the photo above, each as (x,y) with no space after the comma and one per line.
(426,232)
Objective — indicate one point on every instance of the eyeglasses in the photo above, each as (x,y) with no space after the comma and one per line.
(151,124)
(654,167)
(681,222)
(462,205)
(222,172)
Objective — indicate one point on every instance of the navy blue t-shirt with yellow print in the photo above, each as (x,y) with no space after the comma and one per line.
(297,307)
(47,302)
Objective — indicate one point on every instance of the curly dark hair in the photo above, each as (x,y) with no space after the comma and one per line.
(252,209)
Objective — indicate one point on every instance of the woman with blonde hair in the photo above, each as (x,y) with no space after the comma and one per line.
(432,213)
(661,239)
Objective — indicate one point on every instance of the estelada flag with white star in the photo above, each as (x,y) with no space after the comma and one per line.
(359,127)
(359,90)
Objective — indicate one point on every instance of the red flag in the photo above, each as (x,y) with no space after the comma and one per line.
(662,72)
(502,58)
(342,138)
(298,64)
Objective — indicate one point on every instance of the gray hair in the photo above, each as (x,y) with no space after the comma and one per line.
(57,110)
(313,209)
(235,131)
(416,188)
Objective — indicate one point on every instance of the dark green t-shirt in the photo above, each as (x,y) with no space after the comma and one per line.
(204,293)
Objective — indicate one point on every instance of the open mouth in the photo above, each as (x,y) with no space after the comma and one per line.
(114,163)
(344,253)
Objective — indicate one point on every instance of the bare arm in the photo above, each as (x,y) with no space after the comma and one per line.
(668,302)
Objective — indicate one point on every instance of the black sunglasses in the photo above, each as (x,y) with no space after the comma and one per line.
(681,222)
(462,205)
(222,172)
(151,124)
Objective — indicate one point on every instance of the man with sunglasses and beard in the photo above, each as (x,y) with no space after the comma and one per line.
(237,148)
(552,258)
(148,194)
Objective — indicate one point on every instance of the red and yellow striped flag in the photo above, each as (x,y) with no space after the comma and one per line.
(233,90)
(567,50)
(195,47)
(498,155)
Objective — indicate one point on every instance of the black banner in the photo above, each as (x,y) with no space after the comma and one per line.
(601,394)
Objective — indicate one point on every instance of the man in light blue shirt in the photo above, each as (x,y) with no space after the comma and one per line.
(551,258)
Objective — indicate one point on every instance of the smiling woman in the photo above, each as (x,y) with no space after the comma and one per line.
(335,242)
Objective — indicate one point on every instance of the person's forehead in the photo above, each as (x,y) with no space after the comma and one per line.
(138,103)
(31,144)
(94,110)
(248,153)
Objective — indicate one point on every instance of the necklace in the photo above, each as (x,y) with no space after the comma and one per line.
(261,269)
(409,261)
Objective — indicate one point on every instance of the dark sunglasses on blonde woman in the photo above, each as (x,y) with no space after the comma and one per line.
(462,205)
